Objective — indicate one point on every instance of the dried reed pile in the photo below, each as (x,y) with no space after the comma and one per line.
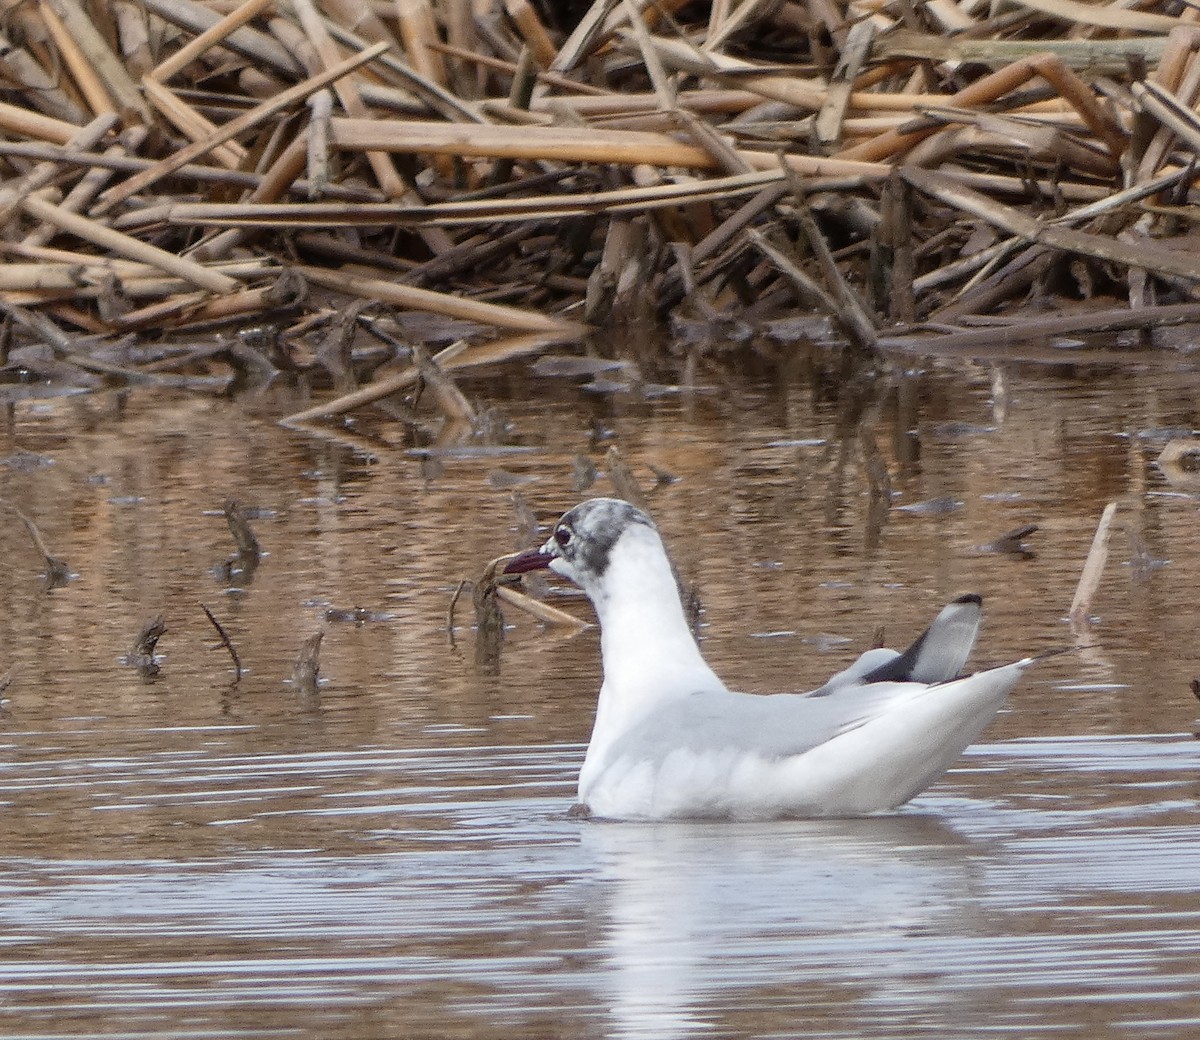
(530,167)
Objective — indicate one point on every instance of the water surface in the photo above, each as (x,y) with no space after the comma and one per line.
(395,856)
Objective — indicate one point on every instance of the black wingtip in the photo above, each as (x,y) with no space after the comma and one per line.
(970,597)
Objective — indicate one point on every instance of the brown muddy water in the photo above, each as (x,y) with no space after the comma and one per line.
(395,856)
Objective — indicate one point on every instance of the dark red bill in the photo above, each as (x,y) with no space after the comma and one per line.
(532,560)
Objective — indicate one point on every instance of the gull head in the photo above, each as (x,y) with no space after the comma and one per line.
(584,542)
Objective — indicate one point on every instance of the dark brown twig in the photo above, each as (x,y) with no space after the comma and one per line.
(227,643)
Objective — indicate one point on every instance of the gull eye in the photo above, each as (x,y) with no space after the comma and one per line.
(562,535)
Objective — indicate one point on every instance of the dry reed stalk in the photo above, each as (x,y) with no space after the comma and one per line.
(451,400)
(31,277)
(829,120)
(538,609)
(537,207)
(256,116)
(210,37)
(534,33)
(314,27)
(360,19)
(457,356)
(57,572)
(417,30)
(664,89)
(118,83)
(373,392)
(732,22)
(1152,257)
(1175,116)
(307,671)
(411,297)
(1027,330)
(250,43)
(121,162)
(225,642)
(584,36)
(179,311)
(989,89)
(1093,569)
(78,64)
(1076,13)
(41,89)
(86,278)
(192,124)
(1179,77)
(88,186)
(15,192)
(1094,56)
(124,245)
(24,123)
(321,107)
(549,79)
(713,101)
(564,144)
(811,293)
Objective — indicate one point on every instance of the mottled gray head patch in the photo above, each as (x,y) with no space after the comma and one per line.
(585,535)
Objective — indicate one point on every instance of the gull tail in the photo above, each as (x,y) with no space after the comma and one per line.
(941,651)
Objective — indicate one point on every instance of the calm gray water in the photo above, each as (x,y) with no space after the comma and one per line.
(184,856)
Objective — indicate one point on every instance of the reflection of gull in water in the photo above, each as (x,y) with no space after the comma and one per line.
(692,909)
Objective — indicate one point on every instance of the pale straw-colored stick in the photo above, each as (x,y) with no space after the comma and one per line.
(89,185)
(256,116)
(192,124)
(372,392)
(107,238)
(417,28)
(84,73)
(211,36)
(118,84)
(15,191)
(541,611)
(530,26)
(451,306)
(314,27)
(1093,569)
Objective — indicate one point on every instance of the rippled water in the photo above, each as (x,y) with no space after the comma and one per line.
(395,856)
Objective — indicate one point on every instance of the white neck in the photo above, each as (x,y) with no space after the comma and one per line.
(650,655)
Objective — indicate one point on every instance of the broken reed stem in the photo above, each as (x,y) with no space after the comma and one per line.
(542,611)
(148,636)
(851,315)
(375,391)
(225,642)
(56,571)
(141,654)
(239,527)
(125,245)
(245,12)
(227,131)
(1093,568)
(487,589)
(307,671)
